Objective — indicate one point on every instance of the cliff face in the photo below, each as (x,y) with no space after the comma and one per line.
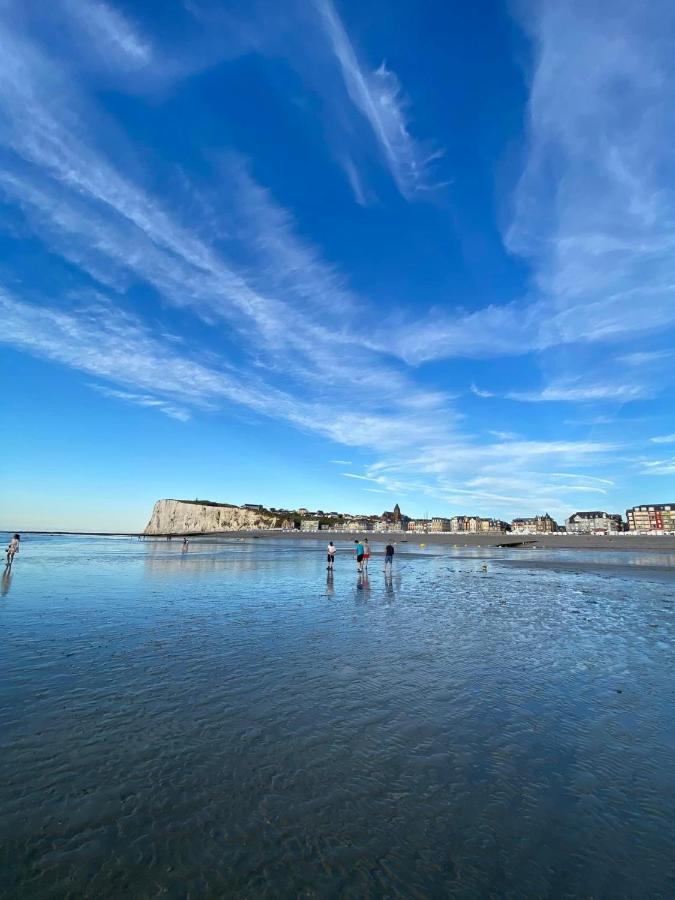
(181,517)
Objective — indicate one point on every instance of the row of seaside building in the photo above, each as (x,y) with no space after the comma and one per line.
(656,517)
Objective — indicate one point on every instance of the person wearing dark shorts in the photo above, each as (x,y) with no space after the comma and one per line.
(359,556)
(388,556)
(330,557)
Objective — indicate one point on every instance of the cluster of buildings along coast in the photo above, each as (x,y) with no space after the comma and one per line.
(656,517)
(202,516)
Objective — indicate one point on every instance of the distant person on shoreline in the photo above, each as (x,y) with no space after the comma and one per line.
(366,554)
(359,556)
(388,557)
(330,558)
(186,544)
(13,549)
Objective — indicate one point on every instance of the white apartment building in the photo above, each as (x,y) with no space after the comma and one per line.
(310,525)
(594,522)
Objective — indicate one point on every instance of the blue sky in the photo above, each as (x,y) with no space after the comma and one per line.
(336,255)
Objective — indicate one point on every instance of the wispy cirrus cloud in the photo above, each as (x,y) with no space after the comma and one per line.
(98,218)
(377,95)
(576,390)
(643,357)
(145,400)
(658,466)
(581,392)
(582,477)
(477,478)
(268,307)
(527,493)
(110,34)
(90,213)
(101,340)
(110,345)
(272,327)
(592,210)
(480,392)
(505,435)
(358,477)
(663,439)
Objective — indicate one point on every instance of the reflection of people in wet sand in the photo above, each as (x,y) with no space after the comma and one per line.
(330,588)
(13,549)
(6,580)
(362,583)
(186,544)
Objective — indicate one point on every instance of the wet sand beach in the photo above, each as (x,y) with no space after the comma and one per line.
(624,541)
(235,721)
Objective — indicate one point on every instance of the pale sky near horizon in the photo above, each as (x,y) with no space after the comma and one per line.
(335,255)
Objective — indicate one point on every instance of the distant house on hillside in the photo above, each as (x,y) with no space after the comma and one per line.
(255,506)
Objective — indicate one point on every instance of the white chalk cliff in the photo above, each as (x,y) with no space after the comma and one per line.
(190,516)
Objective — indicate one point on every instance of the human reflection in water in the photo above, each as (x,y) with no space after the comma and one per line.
(330,589)
(363,584)
(6,580)
(389,584)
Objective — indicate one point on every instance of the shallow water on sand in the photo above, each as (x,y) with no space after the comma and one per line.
(229,722)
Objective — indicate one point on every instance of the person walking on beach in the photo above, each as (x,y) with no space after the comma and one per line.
(359,556)
(185,546)
(388,557)
(13,549)
(330,556)
(366,553)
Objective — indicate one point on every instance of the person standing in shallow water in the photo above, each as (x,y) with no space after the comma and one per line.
(185,546)
(13,549)
(388,557)
(359,556)
(330,557)
(366,553)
